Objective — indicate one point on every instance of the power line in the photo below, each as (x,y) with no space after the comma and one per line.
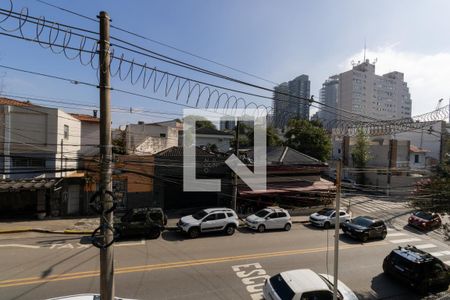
(161,43)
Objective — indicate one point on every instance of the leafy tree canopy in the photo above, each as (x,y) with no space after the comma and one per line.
(306,137)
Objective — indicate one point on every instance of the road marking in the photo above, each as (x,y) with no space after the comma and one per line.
(396,234)
(178,264)
(253,279)
(20,246)
(405,240)
(391,229)
(440,253)
(447,262)
(142,242)
(426,246)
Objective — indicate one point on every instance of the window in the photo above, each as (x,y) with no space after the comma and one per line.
(210,218)
(220,216)
(28,162)
(163,135)
(342,213)
(138,217)
(66,132)
(416,158)
(282,215)
(272,216)
(229,215)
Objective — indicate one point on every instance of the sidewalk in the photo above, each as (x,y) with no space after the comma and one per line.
(80,225)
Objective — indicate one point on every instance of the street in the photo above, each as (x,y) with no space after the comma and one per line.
(36,266)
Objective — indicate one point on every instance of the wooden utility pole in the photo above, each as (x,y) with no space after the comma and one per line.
(235,177)
(336,228)
(106,220)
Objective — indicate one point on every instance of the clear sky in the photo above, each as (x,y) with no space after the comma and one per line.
(276,40)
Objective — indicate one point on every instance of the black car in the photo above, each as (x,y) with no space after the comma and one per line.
(417,268)
(148,222)
(365,228)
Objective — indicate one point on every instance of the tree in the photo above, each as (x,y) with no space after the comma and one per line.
(304,136)
(361,154)
(247,133)
(202,122)
(119,143)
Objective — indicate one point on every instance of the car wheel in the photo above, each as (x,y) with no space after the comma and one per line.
(365,237)
(154,233)
(383,235)
(261,228)
(194,232)
(287,227)
(326,225)
(230,230)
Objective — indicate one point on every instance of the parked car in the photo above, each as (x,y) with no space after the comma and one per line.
(327,217)
(304,284)
(209,220)
(417,268)
(149,222)
(365,228)
(269,218)
(84,297)
(424,220)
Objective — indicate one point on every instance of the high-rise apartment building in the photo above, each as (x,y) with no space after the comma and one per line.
(363,92)
(329,96)
(287,107)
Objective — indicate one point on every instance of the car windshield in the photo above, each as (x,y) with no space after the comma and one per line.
(330,286)
(262,213)
(199,215)
(325,212)
(423,215)
(361,221)
(281,287)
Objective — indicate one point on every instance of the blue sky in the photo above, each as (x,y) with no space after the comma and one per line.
(277,40)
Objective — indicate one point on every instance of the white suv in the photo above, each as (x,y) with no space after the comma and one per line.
(209,220)
(269,218)
(327,217)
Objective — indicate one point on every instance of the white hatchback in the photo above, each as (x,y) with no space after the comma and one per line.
(269,218)
(327,217)
(304,284)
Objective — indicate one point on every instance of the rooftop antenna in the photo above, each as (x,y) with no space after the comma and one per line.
(364,50)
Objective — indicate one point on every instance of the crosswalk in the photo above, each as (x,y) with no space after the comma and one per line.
(372,205)
(399,237)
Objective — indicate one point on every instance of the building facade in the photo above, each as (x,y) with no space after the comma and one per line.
(361,91)
(286,104)
(329,96)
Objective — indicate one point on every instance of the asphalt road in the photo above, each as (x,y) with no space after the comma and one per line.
(36,266)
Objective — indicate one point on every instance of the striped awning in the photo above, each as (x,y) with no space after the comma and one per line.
(26,184)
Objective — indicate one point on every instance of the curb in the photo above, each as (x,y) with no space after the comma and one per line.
(46,231)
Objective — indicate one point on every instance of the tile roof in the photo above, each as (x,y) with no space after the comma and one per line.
(11,102)
(33,184)
(279,155)
(178,152)
(86,118)
(416,149)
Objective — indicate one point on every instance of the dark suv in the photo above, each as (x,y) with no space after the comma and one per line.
(148,222)
(417,268)
(365,228)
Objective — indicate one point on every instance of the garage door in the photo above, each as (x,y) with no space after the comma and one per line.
(73,201)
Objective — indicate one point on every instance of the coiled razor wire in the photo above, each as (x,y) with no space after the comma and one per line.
(77,43)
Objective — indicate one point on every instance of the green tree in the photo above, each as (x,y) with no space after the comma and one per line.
(361,154)
(119,143)
(202,122)
(304,136)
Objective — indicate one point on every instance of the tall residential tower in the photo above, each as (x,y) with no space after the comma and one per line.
(286,104)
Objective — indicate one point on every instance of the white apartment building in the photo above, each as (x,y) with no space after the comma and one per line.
(383,97)
(361,91)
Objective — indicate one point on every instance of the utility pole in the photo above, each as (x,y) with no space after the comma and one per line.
(62,157)
(106,220)
(235,177)
(336,228)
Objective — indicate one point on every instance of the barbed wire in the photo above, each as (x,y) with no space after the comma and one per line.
(75,43)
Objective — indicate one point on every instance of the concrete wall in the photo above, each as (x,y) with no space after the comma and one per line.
(150,138)
(90,135)
(222,142)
